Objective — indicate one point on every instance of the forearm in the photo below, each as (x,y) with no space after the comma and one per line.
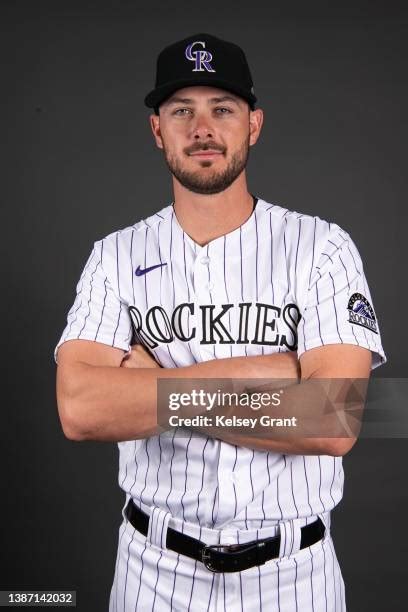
(115,404)
(298,446)
(314,417)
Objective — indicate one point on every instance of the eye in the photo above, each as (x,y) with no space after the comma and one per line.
(181,111)
(222,110)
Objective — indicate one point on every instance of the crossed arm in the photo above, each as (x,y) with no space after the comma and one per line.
(103,396)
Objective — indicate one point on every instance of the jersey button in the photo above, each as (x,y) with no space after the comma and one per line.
(205,260)
(210,286)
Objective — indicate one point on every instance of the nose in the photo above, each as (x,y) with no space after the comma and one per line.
(202,128)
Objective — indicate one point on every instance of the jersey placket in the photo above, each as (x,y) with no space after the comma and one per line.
(209,292)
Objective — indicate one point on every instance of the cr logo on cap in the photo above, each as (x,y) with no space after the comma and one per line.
(201,57)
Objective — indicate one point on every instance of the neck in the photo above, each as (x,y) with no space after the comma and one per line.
(207,217)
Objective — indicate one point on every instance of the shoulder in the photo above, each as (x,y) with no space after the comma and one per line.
(307,230)
(123,238)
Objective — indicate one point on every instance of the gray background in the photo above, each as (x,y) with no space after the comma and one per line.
(79,162)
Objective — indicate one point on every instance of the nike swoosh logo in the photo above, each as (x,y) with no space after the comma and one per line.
(140,272)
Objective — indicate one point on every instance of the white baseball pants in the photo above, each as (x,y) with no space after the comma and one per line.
(149,577)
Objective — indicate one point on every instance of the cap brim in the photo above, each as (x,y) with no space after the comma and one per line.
(160,94)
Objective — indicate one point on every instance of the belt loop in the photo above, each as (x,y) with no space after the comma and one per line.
(290,534)
(325,517)
(158,524)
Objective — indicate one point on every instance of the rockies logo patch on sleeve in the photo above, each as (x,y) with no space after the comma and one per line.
(361,312)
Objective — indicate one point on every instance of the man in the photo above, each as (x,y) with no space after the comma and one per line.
(219,284)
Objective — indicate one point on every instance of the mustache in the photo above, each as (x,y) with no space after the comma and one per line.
(199,146)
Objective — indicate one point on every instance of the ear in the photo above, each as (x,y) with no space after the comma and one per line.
(255,125)
(155,125)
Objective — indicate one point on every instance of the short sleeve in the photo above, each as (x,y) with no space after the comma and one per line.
(338,307)
(97,312)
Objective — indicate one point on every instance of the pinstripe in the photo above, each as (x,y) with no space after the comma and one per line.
(147,468)
(374,338)
(174,582)
(286,259)
(352,256)
(335,309)
(242,278)
(157,580)
(271,250)
(209,275)
(296,596)
(324,572)
(334,475)
(120,307)
(297,246)
(171,259)
(307,486)
(136,473)
(277,494)
(257,265)
(89,299)
(74,310)
(252,486)
(317,313)
(126,467)
(333,243)
(320,482)
(162,539)
(103,309)
(348,286)
(188,289)
(292,488)
(158,469)
(117,325)
(171,466)
(117,566)
(233,482)
(328,256)
(211,592)
(240,580)
(225,284)
(334,577)
(145,265)
(127,570)
(141,574)
(185,476)
(259,577)
(311,577)
(313,250)
(194,573)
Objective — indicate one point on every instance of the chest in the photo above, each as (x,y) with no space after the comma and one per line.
(224,299)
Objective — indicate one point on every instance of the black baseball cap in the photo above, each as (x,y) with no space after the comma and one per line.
(201,59)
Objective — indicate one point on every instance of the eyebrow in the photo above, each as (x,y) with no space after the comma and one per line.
(216,100)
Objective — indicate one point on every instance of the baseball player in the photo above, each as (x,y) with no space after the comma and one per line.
(218,283)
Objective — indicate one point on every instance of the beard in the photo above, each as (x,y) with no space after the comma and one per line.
(211,182)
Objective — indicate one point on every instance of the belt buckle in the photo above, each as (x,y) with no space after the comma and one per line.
(206,556)
(206,553)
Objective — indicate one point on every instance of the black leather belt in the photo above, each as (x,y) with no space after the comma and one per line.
(224,557)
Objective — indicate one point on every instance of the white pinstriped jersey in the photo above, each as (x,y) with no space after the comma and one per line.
(281,281)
